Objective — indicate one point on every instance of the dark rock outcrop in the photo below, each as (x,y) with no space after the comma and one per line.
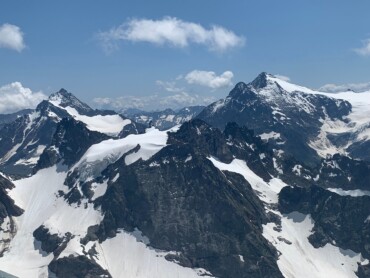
(340,219)
(77,267)
(70,141)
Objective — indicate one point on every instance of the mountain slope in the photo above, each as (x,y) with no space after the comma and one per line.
(186,202)
(115,177)
(8,118)
(24,140)
(191,201)
(290,121)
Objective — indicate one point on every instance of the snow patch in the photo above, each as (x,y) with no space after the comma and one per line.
(100,155)
(99,189)
(352,193)
(115,177)
(188,158)
(297,170)
(125,256)
(271,135)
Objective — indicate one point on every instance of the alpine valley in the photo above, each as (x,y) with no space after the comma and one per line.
(271,181)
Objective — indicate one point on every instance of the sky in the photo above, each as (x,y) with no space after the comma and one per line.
(157,54)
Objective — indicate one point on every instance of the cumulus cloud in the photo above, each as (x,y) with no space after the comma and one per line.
(170,31)
(11,37)
(335,88)
(365,49)
(282,77)
(14,97)
(209,78)
(153,102)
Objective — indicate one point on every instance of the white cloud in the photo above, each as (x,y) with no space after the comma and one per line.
(169,86)
(170,31)
(365,49)
(153,102)
(209,78)
(335,88)
(14,97)
(11,37)
(282,77)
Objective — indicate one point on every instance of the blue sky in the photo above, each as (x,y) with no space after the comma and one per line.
(312,42)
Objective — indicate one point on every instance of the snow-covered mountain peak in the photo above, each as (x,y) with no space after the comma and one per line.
(287,86)
(269,81)
(107,122)
(261,81)
(63,99)
(264,81)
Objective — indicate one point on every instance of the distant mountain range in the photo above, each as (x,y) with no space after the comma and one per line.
(272,181)
(164,119)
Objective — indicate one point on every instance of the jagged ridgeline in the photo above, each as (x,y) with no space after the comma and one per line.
(271,181)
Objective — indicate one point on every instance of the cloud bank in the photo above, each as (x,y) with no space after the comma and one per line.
(335,88)
(11,37)
(169,86)
(170,31)
(154,102)
(15,97)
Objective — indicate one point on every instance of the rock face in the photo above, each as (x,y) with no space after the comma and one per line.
(8,210)
(181,202)
(344,172)
(288,120)
(340,219)
(165,119)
